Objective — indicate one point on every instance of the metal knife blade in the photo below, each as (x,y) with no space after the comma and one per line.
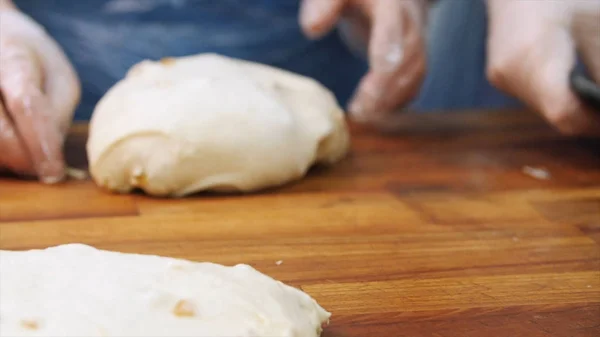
(585,89)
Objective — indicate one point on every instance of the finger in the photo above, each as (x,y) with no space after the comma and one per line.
(31,112)
(13,154)
(397,60)
(536,69)
(354,29)
(318,17)
(586,27)
(61,85)
(380,95)
(386,46)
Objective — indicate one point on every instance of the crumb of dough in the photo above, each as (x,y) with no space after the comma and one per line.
(536,172)
(279,262)
(77,174)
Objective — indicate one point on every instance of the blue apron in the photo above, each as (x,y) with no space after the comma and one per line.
(104,38)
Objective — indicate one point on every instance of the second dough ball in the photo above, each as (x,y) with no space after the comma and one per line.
(212,123)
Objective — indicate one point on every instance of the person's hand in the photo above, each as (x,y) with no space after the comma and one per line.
(39,91)
(394,33)
(532,50)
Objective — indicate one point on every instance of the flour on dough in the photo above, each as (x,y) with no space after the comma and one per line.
(210,122)
(77,290)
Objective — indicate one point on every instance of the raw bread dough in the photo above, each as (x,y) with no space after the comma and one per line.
(209,122)
(77,290)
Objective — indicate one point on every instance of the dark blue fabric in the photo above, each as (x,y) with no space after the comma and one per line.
(456,78)
(104,38)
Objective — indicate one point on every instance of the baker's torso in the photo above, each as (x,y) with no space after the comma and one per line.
(104,38)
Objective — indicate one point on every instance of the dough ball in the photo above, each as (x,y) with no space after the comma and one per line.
(77,290)
(212,123)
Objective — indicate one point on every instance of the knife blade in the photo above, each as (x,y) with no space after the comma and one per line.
(585,89)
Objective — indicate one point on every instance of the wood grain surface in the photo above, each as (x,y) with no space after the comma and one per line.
(433,231)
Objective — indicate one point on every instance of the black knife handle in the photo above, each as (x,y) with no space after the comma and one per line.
(585,89)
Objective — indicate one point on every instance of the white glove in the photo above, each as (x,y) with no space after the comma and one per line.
(394,32)
(532,50)
(40,92)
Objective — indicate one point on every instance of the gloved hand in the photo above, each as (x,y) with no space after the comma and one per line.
(394,32)
(532,50)
(39,90)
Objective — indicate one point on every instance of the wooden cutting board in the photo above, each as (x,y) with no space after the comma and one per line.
(434,231)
